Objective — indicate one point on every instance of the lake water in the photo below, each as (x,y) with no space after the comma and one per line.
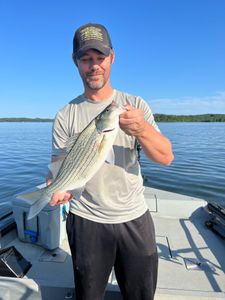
(198,169)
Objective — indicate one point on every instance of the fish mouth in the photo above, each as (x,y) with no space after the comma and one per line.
(108,130)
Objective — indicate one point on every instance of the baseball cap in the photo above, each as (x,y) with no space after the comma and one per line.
(91,36)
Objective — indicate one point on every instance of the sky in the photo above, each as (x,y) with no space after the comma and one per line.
(169,52)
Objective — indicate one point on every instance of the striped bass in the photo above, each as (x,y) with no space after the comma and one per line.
(87,154)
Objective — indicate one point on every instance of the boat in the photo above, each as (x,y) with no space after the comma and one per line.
(191,246)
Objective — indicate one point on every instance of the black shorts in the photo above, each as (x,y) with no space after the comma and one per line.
(130,247)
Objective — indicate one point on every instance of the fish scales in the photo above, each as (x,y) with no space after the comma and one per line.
(86,156)
(80,160)
(73,157)
(83,163)
(90,156)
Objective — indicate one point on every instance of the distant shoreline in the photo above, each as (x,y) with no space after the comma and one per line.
(158,118)
(190,118)
(27,120)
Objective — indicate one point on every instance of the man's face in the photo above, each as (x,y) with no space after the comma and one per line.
(94,68)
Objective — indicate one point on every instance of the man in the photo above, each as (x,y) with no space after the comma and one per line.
(110,225)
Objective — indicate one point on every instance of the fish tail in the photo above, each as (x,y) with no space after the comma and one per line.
(38,200)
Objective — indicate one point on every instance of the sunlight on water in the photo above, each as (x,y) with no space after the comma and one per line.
(199,166)
(25,154)
(198,169)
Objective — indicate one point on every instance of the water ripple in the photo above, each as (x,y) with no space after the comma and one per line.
(198,169)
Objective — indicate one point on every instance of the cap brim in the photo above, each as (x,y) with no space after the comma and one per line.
(97,46)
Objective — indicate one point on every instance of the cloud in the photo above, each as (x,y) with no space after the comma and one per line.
(214,104)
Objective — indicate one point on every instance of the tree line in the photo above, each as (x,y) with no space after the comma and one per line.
(190,118)
(158,118)
(33,120)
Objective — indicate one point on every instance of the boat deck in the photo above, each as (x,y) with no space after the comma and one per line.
(191,257)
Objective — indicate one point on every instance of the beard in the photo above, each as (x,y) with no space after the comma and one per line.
(94,83)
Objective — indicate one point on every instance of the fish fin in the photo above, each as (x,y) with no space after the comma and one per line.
(38,206)
(31,196)
(55,166)
(110,159)
(38,199)
(41,186)
(70,142)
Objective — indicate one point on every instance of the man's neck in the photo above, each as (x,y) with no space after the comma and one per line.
(98,95)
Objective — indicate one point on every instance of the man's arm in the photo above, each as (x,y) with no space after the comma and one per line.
(155,145)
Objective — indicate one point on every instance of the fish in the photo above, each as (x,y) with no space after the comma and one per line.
(86,154)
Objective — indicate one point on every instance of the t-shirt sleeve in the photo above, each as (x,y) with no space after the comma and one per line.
(59,135)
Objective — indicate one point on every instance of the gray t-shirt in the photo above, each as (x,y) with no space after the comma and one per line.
(115,192)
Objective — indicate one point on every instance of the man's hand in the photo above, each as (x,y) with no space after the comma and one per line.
(156,146)
(58,197)
(132,121)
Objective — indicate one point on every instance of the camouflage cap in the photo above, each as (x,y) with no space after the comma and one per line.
(91,36)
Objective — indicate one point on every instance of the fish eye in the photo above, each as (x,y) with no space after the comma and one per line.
(108,108)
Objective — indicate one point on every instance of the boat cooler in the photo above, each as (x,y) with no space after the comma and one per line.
(47,229)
